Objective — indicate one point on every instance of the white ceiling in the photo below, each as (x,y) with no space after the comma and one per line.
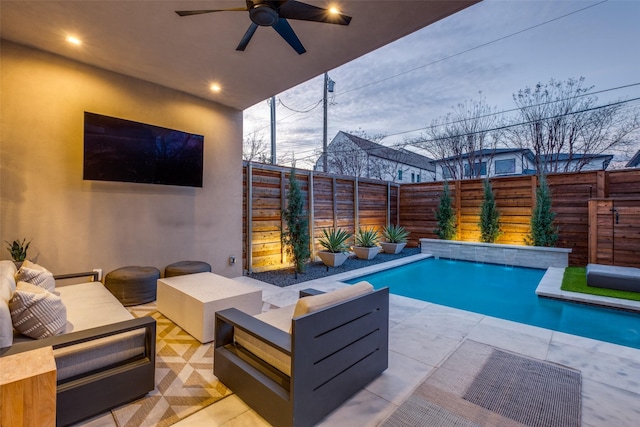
(147,40)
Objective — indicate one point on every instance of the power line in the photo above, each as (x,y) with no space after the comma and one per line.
(511,110)
(504,127)
(308,110)
(313,106)
(474,48)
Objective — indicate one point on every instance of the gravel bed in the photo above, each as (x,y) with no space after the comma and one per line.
(316,270)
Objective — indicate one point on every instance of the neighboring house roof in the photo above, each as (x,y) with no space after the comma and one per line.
(545,157)
(635,160)
(489,152)
(400,156)
(563,157)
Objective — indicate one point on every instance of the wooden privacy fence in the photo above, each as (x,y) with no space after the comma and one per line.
(578,199)
(515,198)
(331,200)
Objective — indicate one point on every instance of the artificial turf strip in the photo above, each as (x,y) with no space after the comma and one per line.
(575,280)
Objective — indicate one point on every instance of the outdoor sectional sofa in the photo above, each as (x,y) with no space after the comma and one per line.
(104,357)
(296,364)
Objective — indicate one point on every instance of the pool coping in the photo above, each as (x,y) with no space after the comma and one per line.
(550,287)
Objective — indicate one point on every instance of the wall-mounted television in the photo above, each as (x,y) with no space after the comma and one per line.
(127,151)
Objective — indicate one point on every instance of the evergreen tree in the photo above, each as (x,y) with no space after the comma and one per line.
(542,232)
(489,216)
(445,215)
(296,236)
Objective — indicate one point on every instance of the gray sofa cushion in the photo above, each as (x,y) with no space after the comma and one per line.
(613,277)
(97,354)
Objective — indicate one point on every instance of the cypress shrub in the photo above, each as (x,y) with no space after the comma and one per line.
(489,216)
(542,232)
(296,236)
(445,215)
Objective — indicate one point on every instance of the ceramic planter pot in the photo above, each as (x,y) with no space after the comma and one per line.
(333,259)
(392,248)
(366,253)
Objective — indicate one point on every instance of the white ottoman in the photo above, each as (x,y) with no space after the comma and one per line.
(191,301)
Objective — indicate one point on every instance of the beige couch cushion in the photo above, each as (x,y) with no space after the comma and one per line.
(90,305)
(36,312)
(313,303)
(36,275)
(281,319)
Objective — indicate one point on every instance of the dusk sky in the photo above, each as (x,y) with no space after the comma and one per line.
(490,50)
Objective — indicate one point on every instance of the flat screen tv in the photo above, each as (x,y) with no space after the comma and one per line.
(126,151)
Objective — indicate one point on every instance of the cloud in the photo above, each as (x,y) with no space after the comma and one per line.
(486,48)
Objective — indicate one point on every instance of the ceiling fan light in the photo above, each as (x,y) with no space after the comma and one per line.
(74,40)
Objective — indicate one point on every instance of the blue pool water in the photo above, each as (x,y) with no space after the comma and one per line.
(507,293)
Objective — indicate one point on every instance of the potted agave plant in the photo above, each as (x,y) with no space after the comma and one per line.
(366,246)
(18,251)
(334,242)
(396,237)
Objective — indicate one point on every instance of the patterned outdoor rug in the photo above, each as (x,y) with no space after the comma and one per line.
(479,385)
(184,377)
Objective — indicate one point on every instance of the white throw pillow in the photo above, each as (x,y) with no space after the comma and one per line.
(36,275)
(36,312)
(6,325)
(7,280)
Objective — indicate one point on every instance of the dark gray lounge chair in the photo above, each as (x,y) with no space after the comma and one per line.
(330,354)
(613,277)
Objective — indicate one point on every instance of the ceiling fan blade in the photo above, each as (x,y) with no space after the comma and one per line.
(306,12)
(200,12)
(284,29)
(247,37)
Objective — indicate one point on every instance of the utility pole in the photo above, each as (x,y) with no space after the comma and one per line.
(328,87)
(273,130)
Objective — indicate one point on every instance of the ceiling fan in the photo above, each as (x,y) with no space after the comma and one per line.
(275,14)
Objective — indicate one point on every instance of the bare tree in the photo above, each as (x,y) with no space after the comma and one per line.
(346,158)
(256,149)
(462,139)
(561,117)
(361,133)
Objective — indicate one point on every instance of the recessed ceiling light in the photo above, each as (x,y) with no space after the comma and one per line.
(74,40)
(215,87)
(334,10)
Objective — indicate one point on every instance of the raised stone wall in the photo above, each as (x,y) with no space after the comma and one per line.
(494,253)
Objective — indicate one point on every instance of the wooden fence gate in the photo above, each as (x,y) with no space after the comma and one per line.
(614,231)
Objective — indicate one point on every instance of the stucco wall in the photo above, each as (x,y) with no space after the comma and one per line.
(79,225)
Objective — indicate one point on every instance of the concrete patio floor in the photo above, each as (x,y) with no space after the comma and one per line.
(423,335)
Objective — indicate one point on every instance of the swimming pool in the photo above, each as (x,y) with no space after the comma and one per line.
(507,293)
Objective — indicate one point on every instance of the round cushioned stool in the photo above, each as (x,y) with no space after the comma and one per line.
(133,285)
(186,267)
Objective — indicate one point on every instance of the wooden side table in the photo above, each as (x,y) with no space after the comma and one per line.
(28,389)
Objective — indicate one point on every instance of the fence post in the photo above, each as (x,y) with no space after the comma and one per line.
(249,217)
(283,206)
(601,184)
(458,201)
(388,203)
(312,226)
(593,231)
(356,205)
(398,187)
(334,188)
